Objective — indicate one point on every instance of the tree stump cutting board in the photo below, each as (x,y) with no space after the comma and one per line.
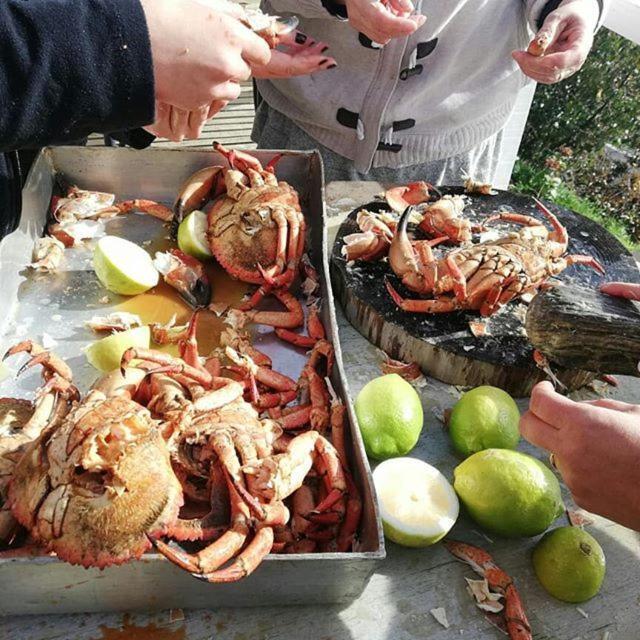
(443,344)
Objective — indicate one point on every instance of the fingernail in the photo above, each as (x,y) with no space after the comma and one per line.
(323,61)
(324,49)
(332,66)
(301,38)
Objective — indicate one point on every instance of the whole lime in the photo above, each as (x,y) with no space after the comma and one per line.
(484,418)
(508,493)
(570,564)
(390,416)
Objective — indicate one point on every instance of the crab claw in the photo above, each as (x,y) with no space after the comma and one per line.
(185,274)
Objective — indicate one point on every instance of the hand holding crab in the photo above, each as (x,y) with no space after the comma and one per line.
(562,44)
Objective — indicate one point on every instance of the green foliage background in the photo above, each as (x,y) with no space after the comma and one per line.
(561,156)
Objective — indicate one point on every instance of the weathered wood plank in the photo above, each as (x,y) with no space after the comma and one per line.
(581,328)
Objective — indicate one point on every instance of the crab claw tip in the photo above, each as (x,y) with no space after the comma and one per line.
(199,296)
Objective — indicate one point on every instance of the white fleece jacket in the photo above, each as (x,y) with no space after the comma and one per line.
(435,94)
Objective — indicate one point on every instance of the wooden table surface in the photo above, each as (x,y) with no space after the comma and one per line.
(396,603)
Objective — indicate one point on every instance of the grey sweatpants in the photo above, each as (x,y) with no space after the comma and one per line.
(273,130)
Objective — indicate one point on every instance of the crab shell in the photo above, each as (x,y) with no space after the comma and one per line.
(242,232)
(96,487)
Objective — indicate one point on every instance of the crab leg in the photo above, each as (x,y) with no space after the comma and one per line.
(315,330)
(225,391)
(290,319)
(352,516)
(295,249)
(297,419)
(589,261)
(149,207)
(280,475)
(482,563)
(177,364)
(319,414)
(257,297)
(282,221)
(219,552)
(200,187)
(437,305)
(52,363)
(247,561)
(338,427)
(271,400)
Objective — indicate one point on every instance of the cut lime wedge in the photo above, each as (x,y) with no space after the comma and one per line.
(192,235)
(123,267)
(105,354)
(418,506)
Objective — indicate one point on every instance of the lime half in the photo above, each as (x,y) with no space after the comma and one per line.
(123,267)
(192,235)
(105,354)
(418,506)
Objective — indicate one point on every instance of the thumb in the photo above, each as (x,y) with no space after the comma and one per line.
(547,35)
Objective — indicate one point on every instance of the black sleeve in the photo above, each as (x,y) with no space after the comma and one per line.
(72,67)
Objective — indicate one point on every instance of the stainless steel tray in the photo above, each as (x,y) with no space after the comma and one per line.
(37,304)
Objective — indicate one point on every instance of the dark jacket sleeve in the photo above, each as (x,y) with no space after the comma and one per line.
(72,67)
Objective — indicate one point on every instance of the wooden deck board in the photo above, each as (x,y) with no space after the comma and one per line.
(232,126)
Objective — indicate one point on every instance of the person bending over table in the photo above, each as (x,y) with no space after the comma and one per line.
(433,101)
(595,445)
(69,68)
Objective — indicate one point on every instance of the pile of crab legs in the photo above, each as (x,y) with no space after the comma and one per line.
(219,433)
(98,479)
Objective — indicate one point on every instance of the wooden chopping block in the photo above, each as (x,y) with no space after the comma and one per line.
(581,328)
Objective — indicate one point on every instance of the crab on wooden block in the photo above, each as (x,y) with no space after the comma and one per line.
(485,276)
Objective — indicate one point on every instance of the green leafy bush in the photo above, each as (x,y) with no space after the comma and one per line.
(599,104)
(565,155)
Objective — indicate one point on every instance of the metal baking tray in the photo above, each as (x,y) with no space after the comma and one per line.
(57,305)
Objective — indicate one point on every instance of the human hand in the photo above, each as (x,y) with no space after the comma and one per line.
(178,124)
(381,21)
(200,52)
(596,448)
(299,56)
(626,290)
(562,44)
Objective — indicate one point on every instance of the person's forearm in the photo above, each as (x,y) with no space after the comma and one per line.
(72,67)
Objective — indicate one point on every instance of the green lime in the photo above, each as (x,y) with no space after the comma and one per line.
(508,492)
(390,416)
(192,235)
(123,267)
(569,564)
(484,418)
(418,506)
(105,354)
